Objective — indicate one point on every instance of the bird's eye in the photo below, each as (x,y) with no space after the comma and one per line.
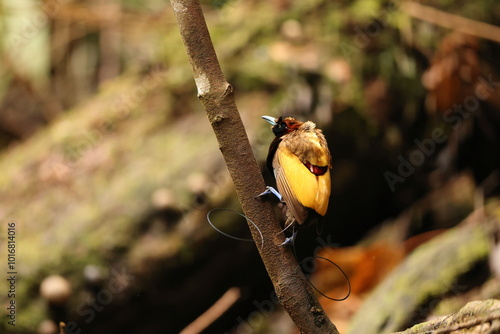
(279,128)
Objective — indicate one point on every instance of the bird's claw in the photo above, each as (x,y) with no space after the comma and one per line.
(270,190)
(289,240)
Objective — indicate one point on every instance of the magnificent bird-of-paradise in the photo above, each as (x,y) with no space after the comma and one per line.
(300,161)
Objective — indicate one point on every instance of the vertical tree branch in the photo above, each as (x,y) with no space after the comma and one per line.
(216,96)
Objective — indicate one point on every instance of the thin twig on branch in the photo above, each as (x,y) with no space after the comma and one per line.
(451,21)
(216,95)
(227,300)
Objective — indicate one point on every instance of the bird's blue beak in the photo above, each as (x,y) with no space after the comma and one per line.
(270,120)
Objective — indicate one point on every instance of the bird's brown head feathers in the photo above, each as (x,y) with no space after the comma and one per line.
(285,125)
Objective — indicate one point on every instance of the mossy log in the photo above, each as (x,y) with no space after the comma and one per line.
(477,317)
(432,271)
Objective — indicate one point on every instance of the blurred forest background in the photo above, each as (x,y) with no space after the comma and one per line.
(109,166)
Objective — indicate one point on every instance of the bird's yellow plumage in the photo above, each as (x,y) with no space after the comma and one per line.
(299,185)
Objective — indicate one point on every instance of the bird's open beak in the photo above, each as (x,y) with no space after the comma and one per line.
(270,120)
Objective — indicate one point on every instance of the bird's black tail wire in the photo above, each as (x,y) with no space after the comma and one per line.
(315,257)
(232,236)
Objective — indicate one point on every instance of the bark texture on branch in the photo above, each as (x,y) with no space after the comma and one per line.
(216,96)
